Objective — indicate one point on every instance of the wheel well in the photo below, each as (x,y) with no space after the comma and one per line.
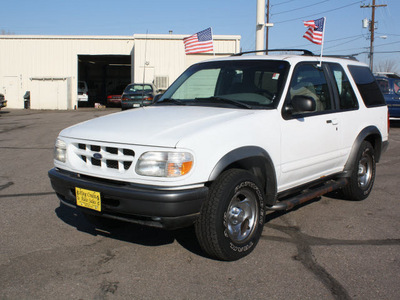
(373,136)
(375,141)
(257,162)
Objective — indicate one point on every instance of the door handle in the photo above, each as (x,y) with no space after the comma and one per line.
(333,122)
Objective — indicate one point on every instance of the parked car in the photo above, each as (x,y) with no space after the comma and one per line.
(137,95)
(389,84)
(83,93)
(114,97)
(3,101)
(231,139)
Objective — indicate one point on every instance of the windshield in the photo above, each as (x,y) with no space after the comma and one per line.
(138,88)
(234,83)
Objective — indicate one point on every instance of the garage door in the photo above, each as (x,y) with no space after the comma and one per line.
(51,93)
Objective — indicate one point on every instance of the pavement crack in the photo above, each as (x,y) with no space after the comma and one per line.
(6,185)
(305,256)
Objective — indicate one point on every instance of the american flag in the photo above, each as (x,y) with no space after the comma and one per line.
(199,42)
(315,30)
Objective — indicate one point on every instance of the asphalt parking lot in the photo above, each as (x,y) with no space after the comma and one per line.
(328,249)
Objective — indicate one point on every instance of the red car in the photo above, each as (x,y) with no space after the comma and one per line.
(114,98)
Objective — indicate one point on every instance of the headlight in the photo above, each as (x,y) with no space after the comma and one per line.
(60,151)
(164,164)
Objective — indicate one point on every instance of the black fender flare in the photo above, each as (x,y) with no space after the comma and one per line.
(254,159)
(371,134)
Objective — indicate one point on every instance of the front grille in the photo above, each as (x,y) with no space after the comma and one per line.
(110,158)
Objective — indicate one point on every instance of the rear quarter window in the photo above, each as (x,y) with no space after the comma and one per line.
(367,86)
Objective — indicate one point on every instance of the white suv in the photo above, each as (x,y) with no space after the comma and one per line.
(230,139)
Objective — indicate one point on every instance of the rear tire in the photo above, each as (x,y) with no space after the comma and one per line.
(362,178)
(232,217)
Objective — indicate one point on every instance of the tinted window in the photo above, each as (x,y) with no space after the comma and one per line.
(134,88)
(367,86)
(396,86)
(383,85)
(310,81)
(347,98)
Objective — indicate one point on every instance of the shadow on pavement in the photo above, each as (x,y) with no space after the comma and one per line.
(129,232)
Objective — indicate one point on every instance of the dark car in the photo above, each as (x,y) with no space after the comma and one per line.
(389,84)
(3,101)
(114,97)
(137,95)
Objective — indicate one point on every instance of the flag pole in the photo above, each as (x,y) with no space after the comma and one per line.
(212,38)
(322,44)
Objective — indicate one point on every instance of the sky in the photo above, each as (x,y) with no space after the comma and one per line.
(343,32)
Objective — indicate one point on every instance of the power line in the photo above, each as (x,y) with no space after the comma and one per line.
(284,12)
(319,13)
(337,45)
(282,3)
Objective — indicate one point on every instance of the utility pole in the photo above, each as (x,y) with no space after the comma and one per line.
(372,29)
(267,34)
(267,25)
(260,25)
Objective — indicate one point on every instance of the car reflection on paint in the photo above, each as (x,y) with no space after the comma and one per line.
(137,95)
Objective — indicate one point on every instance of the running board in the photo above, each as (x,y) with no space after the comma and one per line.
(309,194)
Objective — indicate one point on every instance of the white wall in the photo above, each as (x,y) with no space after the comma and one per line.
(28,62)
(25,57)
(164,55)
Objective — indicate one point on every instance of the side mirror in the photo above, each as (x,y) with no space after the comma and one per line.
(302,104)
(157,97)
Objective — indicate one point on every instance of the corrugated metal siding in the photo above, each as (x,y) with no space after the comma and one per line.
(165,55)
(25,57)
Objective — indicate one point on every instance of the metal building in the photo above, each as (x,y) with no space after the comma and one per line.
(49,67)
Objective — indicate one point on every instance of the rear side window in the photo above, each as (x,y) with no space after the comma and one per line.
(367,86)
(347,98)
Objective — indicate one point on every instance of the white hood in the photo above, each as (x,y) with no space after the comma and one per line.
(153,126)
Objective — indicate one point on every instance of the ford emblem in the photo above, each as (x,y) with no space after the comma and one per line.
(97,156)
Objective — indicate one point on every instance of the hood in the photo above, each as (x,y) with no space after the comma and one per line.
(153,126)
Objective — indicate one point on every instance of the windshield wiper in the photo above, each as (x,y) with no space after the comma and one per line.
(172,100)
(225,100)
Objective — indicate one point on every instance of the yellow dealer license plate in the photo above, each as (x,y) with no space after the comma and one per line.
(88,199)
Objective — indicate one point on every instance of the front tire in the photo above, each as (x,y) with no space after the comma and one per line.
(362,178)
(232,217)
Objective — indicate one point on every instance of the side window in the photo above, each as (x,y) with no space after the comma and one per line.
(367,86)
(309,80)
(347,98)
(383,85)
(396,87)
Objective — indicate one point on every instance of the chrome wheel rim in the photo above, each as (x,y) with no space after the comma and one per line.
(365,170)
(242,216)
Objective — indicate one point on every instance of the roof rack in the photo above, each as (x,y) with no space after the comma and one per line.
(305,52)
(387,74)
(350,56)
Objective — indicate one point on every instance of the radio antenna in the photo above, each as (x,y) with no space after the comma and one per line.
(144,66)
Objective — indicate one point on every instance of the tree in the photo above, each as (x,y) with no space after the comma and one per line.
(388,65)
(6,32)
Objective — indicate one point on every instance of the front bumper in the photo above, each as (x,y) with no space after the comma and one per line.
(168,209)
